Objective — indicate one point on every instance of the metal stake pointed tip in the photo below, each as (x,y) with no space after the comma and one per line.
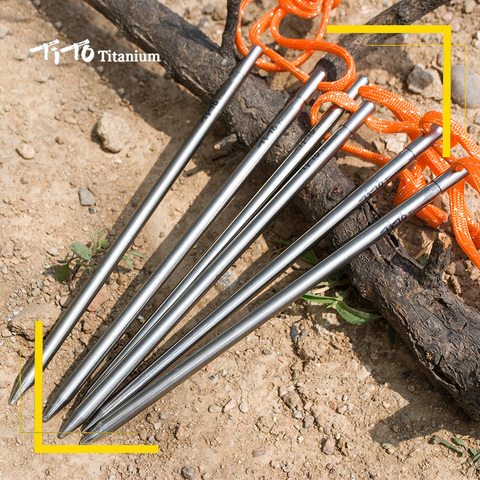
(90,424)
(15,393)
(63,434)
(55,406)
(95,433)
(73,423)
(14,397)
(47,414)
(89,439)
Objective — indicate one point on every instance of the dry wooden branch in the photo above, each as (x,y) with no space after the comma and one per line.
(440,329)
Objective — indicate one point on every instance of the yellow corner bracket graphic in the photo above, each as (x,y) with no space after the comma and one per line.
(446,31)
(38,443)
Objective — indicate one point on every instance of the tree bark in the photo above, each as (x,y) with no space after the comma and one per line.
(441,330)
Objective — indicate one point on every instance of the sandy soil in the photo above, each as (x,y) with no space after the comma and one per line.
(364,410)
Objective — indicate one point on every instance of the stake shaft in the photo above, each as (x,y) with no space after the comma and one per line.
(62,329)
(277,303)
(300,153)
(162,273)
(176,313)
(275,268)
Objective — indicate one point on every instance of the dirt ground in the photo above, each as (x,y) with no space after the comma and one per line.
(361,409)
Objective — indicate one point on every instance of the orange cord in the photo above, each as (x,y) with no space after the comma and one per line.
(410,120)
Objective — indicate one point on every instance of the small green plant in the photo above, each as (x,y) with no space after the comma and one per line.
(350,314)
(82,256)
(464,450)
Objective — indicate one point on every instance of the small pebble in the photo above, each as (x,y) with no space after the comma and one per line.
(294,333)
(308,421)
(473,130)
(86,197)
(180,433)
(297,414)
(113,131)
(440,59)
(394,145)
(243,407)
(291,399)
(6,333)
(258,452)
(328,447)
(342,408)
(102,296)
(419,79)
(229,406)
(469,6)
(389,448)
(282,391)
(26,151)
(266,351)
(92,210)
(472,81)
(448,17)
(333,404)
(188,473)
(214,409)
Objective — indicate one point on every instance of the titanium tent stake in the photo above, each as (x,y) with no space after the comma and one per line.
(61,330)
(275,268)
(92,402)
(277,303)
(300,153)
(218,203)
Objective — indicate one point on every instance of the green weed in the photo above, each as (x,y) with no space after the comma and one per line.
(461,448)
(81,256)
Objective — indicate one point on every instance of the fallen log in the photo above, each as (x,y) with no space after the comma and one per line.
(440,329)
